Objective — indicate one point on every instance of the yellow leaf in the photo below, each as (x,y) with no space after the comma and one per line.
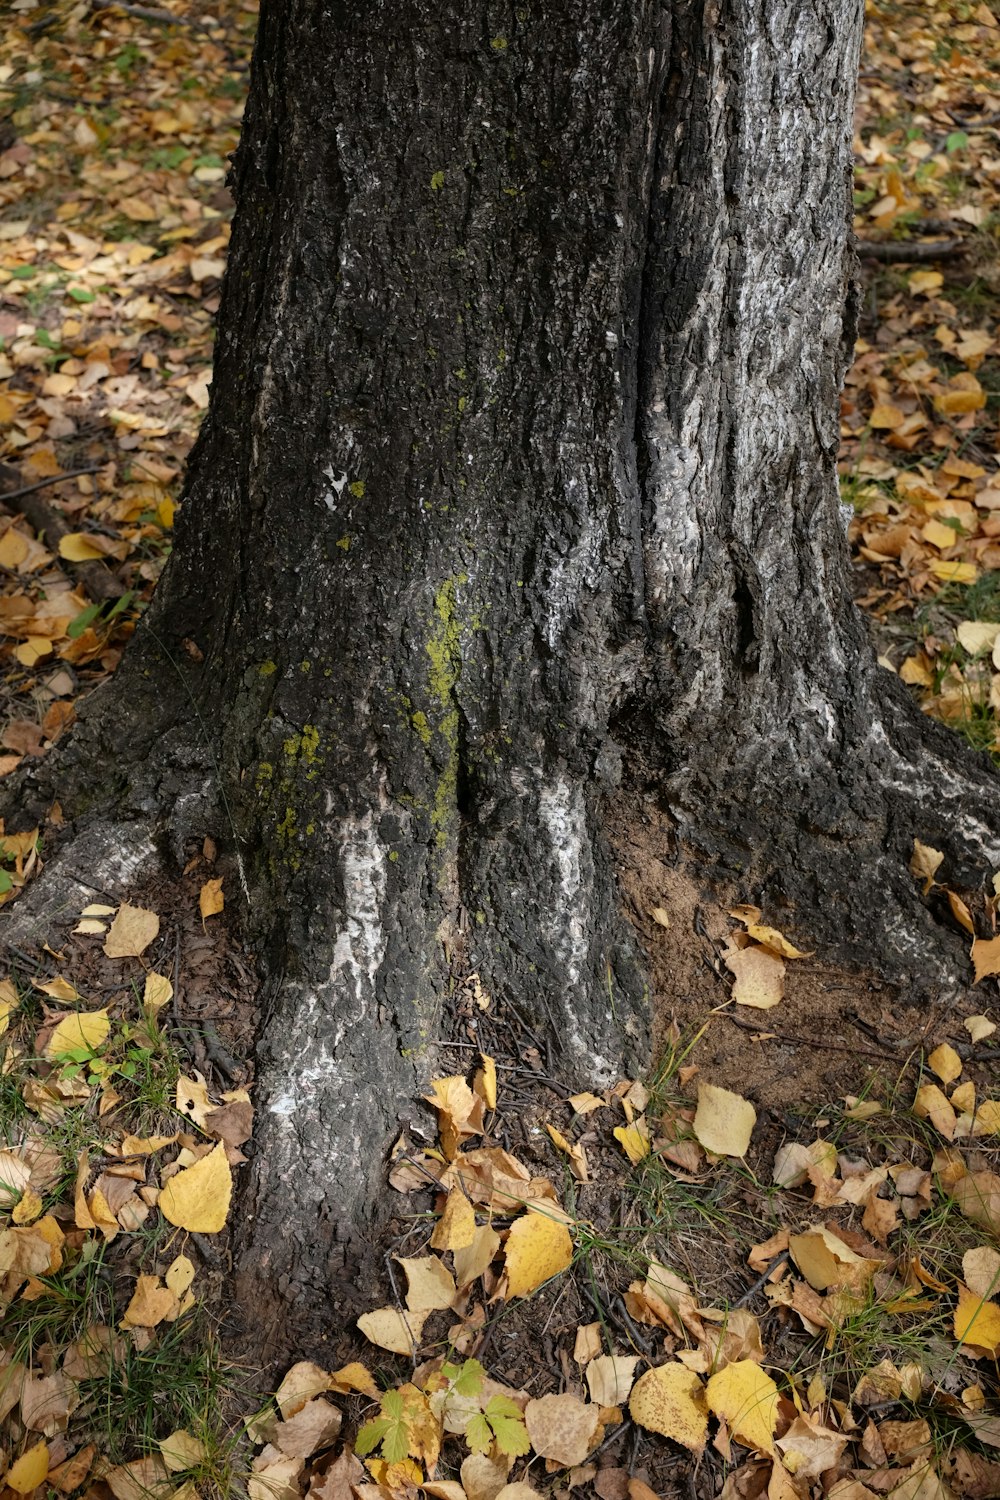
(759,974)
(746,1398)
(977,1323)
(198,1197)
(938,535)
(825,1261)
(14,548)
(35,649)
(537,1248)
(210,899)
(158,991)
(574,1150)
(182,1450)
(28,1207)
(978,1027)
(84,1029)
(29,1471)
(300,1384)
(977,636)
(392,1329)
(485,1081)
(60,989)
(633,1139)
(986,957)
(723,1121)
(954,572)
(671,1400)
(456,1227)
(430,1285)
(179,1275)
(945,1062)
(353,1377)
(472,1260)
(771,938)
(584,1104)
(926,282)
(886,417)
(77,547)
(131,933)
(151,1303)
(930,1103)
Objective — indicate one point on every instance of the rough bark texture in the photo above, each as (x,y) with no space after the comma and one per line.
(516,494)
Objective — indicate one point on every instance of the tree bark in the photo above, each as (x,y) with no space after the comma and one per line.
(516,500)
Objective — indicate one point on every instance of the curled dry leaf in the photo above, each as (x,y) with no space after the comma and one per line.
(723,1121)
(925,863)
(473,1259)
(671,1400)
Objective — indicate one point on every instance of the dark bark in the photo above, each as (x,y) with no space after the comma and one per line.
(517,493)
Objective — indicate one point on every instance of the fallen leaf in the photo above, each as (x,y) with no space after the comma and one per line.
(392,1329)
(430,1284)
(979,1027)
(182,1450)
(131,933)
(456,1227)
(986,957)
(671,1400)
(198,1197)
(981,1270)
(945,1062)
(746,1399)
(634,1139)
(300,1384)
(723,1121)
(562,1428)
(210,899)
(82,1031)
(151,1303)
(759,975)
(29,1471)
(610,1377)
(537,1248)
(977,1323)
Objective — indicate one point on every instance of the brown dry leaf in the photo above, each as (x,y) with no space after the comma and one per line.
(312,1427)
(456,1228)
(610,1377)
(587,1345)
(131,933)
(275,1476)
(483,1475)
(759,975)
(517,1491)
(460,1112)
(392,1329)
(485,1081)
(182,1450)
(339,1480)
(925,862)
(981,1269)
(761,1256)
(746,1399)
(562,1428)
(977,1195)
(574,1151)
(472,1260)
(537,1249)
(809,1449)
(986,957)
(977,1324)
(210,899)
(945,1062)
(197,1198)
(827,1262)
(671,1400)
(430,1285)
(723,1121)
(300,1384)
(48,1402)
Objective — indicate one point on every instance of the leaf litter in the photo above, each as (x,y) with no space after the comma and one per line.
(868,1363)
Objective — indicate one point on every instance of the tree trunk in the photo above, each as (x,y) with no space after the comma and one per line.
(516,501)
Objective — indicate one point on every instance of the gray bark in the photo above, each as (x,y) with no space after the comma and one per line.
(517,496)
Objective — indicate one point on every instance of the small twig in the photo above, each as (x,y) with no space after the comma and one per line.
(6,496)
(762,1280)
(804,1041)
(919,250)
